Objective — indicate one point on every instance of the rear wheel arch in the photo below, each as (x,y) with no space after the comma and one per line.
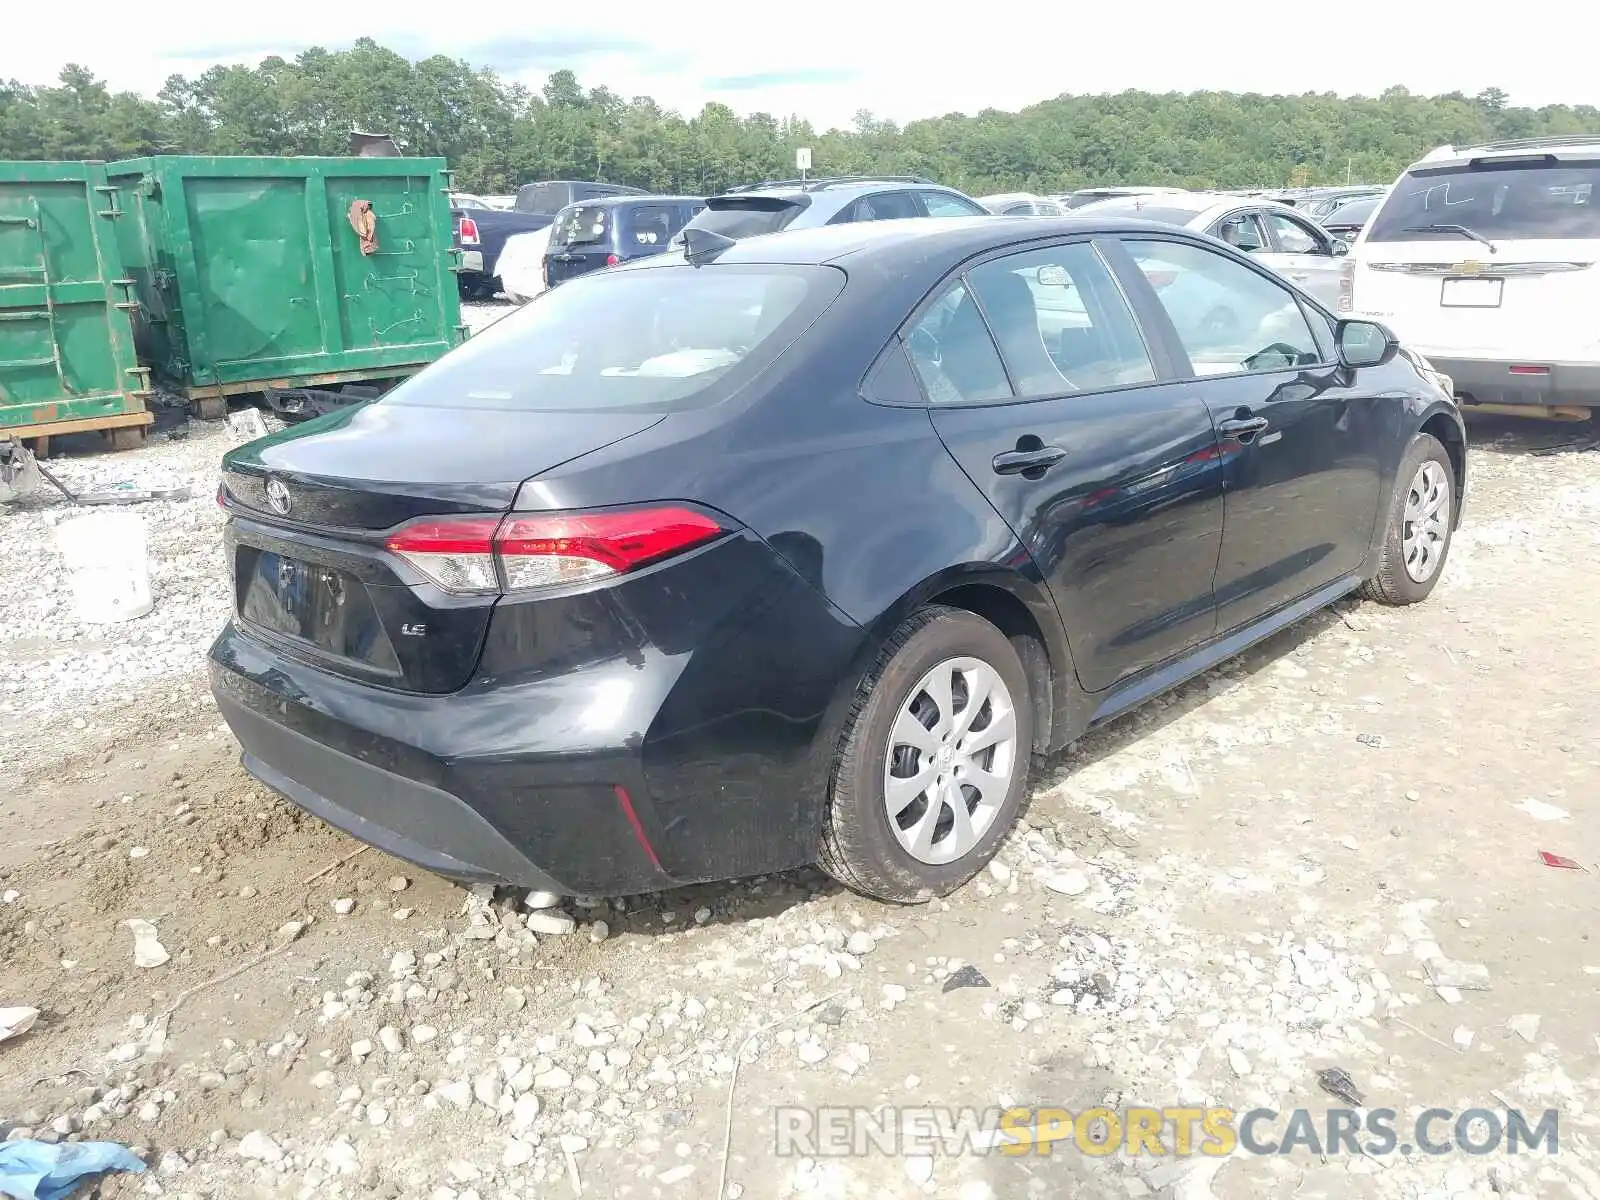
(1011,616)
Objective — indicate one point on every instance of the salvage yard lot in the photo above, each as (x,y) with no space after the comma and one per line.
(1212,900)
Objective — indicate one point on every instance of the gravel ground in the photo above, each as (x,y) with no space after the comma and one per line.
(1244,883)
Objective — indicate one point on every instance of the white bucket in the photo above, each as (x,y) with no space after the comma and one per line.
(107,566)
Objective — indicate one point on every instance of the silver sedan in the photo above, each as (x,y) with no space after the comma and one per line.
(1289,242)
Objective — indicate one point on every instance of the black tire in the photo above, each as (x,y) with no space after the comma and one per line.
(1393,584)
(858,847)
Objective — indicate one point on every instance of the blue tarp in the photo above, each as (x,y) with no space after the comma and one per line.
(45,1171)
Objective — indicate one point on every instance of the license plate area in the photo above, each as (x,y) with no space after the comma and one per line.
(1470,292)
(312,604)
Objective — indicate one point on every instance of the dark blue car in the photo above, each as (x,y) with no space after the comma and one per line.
(608,232)
(798,548)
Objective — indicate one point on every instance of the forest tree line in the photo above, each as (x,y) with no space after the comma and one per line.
(497,135)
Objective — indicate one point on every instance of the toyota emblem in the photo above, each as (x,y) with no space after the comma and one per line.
(278,497)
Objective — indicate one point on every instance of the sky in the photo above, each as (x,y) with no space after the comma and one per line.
(827,59)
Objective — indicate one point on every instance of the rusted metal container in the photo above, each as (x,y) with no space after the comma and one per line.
(67,359)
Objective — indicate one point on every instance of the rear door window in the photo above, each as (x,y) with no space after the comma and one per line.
(953,355)
(650,225)
(1534,197)
(1062,323)
(581,225)
(889,206)
(1242,231)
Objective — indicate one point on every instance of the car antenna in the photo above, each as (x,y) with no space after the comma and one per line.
(701,246)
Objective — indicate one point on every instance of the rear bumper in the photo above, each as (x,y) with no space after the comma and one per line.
(670,729)
(1491,381)
(417,778)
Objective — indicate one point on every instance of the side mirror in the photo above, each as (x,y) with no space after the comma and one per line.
(1365,343)
(1340,248)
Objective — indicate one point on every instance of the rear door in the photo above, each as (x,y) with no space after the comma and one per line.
(580,241)
(1042,387)
(1303,254)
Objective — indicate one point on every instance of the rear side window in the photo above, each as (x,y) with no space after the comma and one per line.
(1496,199)
(953,355)
(651,224)
(943,204)
(748,216)
(657,340)
(888,206)
(581,225)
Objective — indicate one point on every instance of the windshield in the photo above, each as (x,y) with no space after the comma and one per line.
(1548,199)
(580,225)
(656,340)
(747,216)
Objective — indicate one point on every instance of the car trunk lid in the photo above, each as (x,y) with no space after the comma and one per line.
(311,571)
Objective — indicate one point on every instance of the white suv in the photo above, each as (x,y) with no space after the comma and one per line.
(1486,259)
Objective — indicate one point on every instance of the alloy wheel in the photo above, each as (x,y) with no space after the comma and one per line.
(1426,519)
(952,756)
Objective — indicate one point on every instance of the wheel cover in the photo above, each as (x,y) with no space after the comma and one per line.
(951,757)
(1426,521)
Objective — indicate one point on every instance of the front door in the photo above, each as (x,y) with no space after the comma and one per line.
(1303,254)
(1043,389)
(1300,440)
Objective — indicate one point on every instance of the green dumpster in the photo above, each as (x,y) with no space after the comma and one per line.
(67,360)
(287,275)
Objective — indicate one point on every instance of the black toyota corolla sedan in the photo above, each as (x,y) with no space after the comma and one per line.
(795,550)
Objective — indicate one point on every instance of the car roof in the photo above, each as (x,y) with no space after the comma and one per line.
(648,198)
(833,187)
(949,239)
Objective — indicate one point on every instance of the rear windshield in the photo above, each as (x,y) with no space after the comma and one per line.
(1353,213)
(1548,199)
(654,340)
(747,216)
(580,225)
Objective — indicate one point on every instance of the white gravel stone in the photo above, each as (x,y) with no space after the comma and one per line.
(259,1147)
(422,1035)
(1072,882)
(344,906)
(524,1112)
(389,1038)
(549,922)
(517,1153)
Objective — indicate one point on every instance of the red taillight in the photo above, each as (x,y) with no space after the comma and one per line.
(222,496)
(1529,370)
(526,551)
(612,260)
(468,231)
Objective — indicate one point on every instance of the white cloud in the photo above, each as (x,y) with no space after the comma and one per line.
(825,59)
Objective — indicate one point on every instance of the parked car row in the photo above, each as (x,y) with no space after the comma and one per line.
(796,545)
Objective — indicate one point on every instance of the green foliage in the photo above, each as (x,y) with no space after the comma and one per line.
(498,135)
